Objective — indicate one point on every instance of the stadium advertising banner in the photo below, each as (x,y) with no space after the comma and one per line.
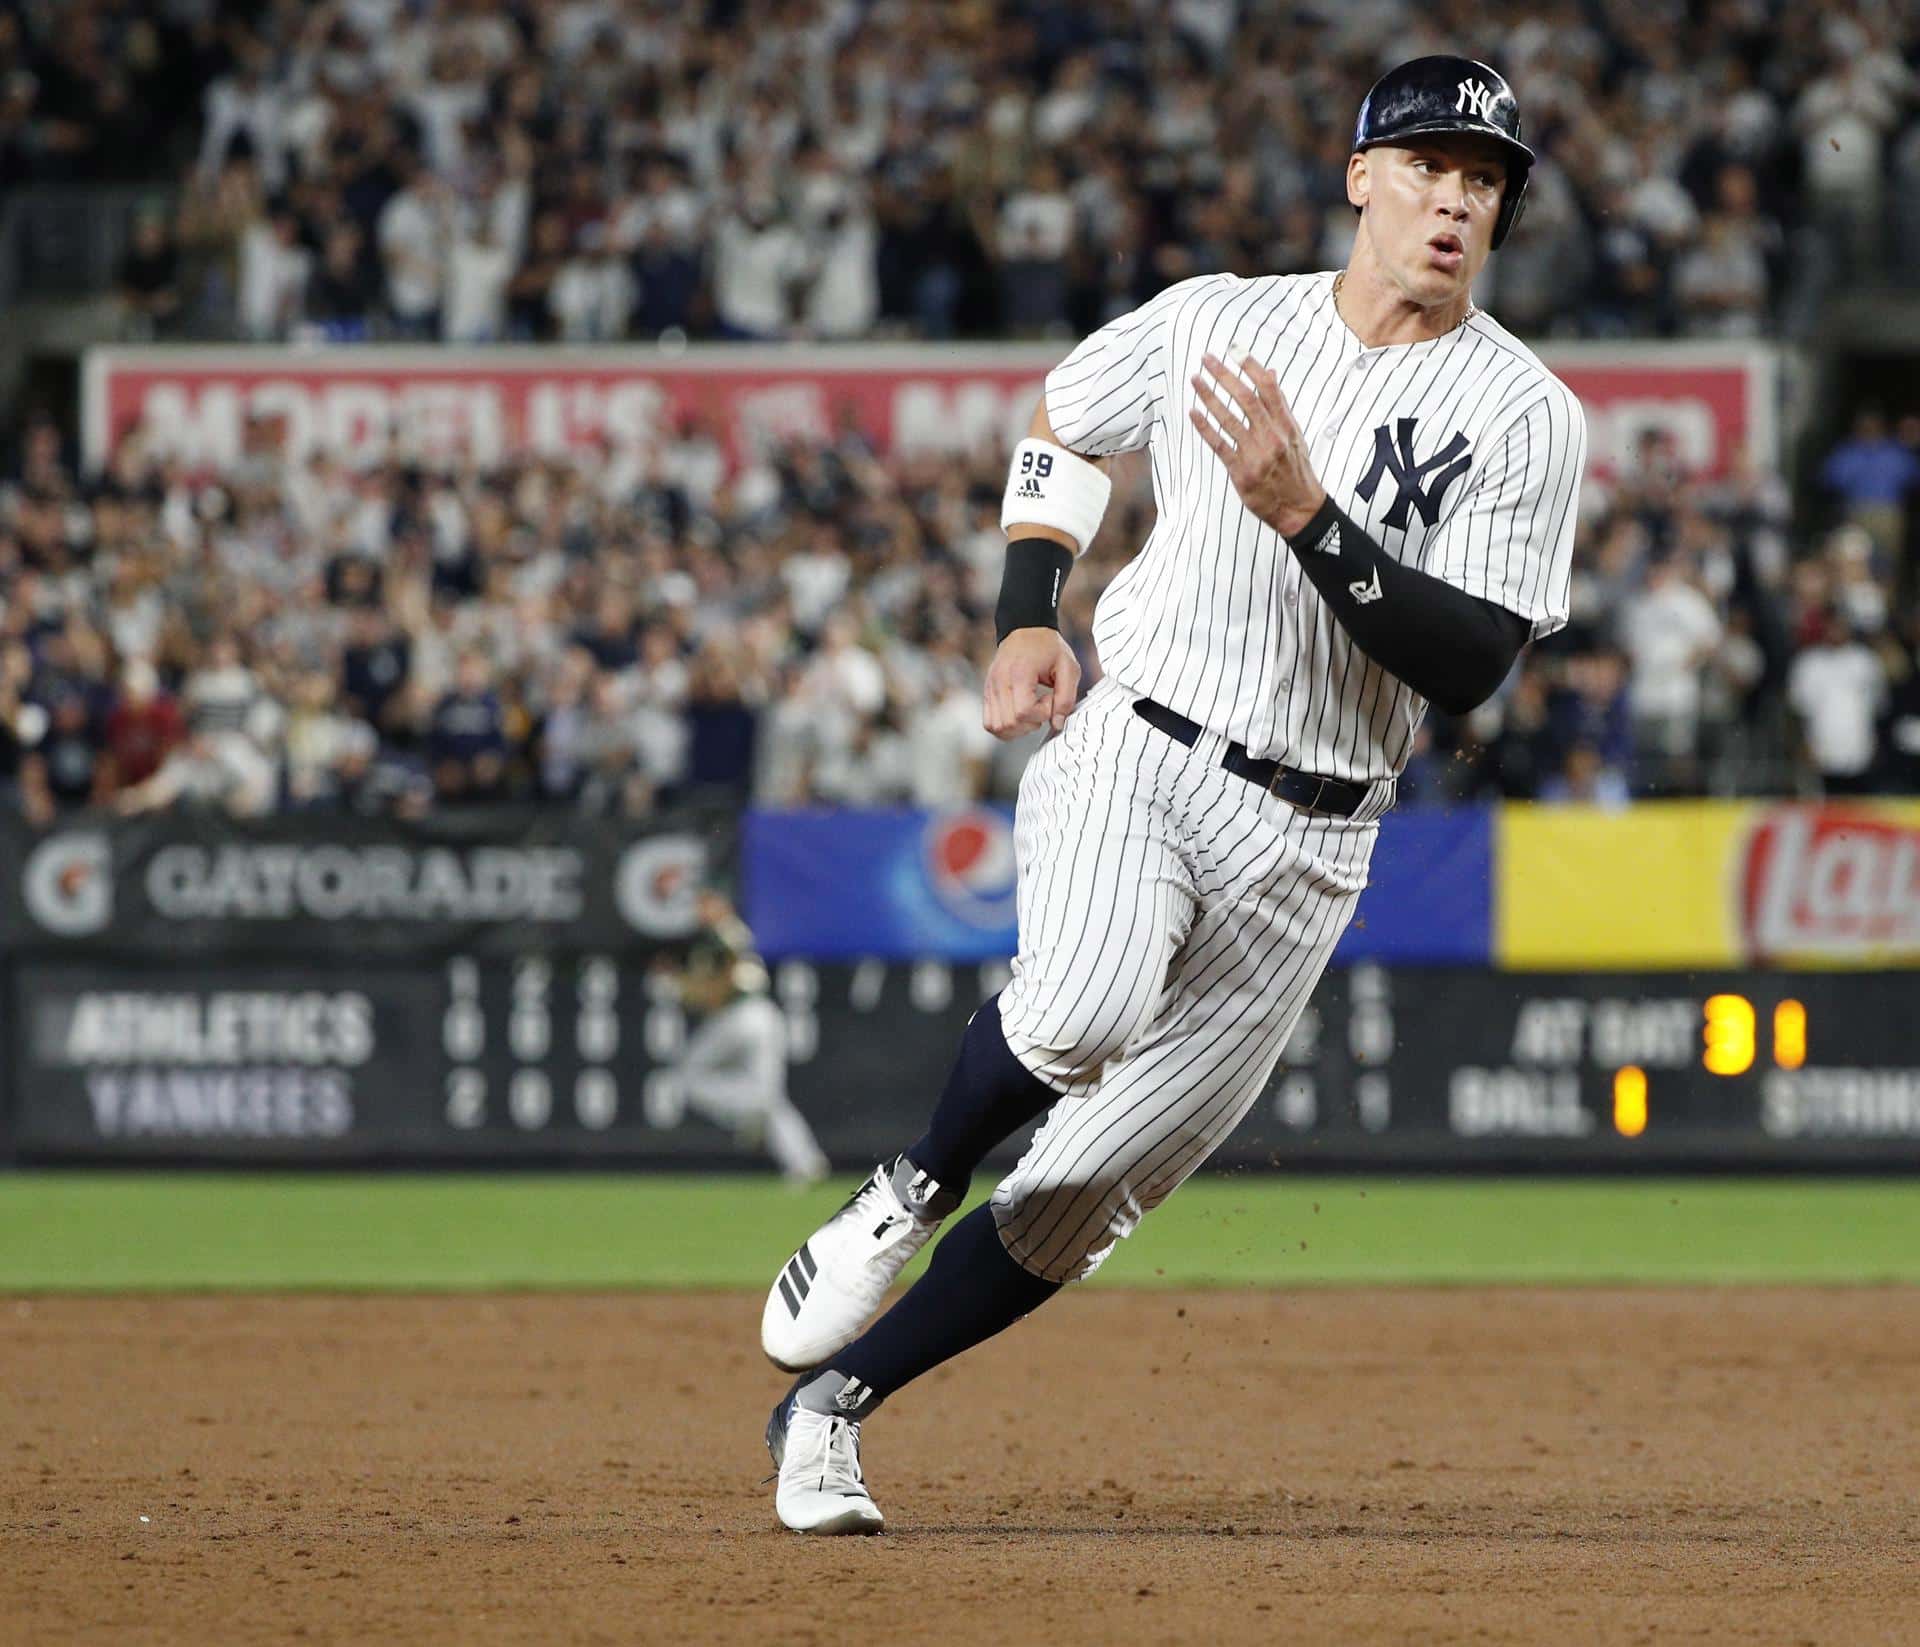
(1708,884)
(908,886)
(327,990)
(453,407)
(196,884)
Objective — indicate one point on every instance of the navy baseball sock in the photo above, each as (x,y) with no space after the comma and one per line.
(989,1095)
(972,1290)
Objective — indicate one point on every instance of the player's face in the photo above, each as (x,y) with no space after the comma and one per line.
(1430,212)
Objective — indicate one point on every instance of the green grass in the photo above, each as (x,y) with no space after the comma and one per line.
(89,1232)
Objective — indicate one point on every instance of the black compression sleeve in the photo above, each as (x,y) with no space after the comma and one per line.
(1030,584)
(1453,648)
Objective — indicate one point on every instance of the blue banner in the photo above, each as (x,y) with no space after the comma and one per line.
(940,886)
(1429,894)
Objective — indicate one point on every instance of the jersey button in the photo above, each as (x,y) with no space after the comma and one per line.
(1329,431)
(1293,597)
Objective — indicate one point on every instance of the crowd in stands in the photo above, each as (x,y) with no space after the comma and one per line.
(592,169)
(814,626)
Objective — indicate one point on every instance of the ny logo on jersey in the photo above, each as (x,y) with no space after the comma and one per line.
(1423,486)
(1476,97)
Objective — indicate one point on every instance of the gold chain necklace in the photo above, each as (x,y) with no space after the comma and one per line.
(1340,280)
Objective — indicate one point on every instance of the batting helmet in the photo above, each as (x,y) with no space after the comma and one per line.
(1432,96)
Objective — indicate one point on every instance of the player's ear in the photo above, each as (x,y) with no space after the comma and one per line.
(1359,184)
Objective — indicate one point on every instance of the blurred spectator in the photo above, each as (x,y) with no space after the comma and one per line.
(1844,116)
(1872,475)
(721,724)
(1522,754)
(23,723)
(759,263)
(479,272)
(1669,630)
(593,293)
(559,742)
(467,736)
(416,232)
(274,271)
(374,666)
(329,755)
(343,289)
(63,770)
(1838,688)
(1903,709)
(245,112)
(1587,780)
(1720,285)
(148,280)
(530,291)
(1035,236)
(143,729)
(208,770)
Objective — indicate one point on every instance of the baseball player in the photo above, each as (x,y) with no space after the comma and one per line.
(1366,495)
(734,1069)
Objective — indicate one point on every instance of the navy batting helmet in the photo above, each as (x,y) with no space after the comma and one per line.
(1435,96)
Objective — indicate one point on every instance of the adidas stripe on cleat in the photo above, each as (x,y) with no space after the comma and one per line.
(835,1284)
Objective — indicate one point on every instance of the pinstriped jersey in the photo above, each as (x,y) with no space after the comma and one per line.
(1461,455)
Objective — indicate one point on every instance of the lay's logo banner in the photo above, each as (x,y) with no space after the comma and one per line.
(1690,884)
(1831,883)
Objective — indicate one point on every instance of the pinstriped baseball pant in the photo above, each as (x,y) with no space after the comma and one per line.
(1174,918)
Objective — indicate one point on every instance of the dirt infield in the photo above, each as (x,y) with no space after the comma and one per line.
(1330,1466)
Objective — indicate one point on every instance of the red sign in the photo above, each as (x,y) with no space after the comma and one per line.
(1830,882)
(453,407)
(456,407)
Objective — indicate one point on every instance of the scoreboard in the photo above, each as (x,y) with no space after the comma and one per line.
(1460,1064)
(572,1056)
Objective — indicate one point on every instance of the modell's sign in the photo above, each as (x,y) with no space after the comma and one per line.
(1828,882)
(452,408)
(1712,404)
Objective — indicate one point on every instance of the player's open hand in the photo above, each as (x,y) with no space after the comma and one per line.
(1259,442)
(1033,682)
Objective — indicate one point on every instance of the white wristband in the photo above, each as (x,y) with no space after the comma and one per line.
(1049,486)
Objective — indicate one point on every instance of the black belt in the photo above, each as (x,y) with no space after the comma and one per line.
(1306,790)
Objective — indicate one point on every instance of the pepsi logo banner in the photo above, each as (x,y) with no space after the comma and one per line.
(446,408)
(911,886)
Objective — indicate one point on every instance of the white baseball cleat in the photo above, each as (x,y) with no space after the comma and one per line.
(820,1486)
(834,1285)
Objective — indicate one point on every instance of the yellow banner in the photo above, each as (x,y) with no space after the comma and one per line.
(1684,884)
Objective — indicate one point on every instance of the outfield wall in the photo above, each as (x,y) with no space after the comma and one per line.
(1686,983)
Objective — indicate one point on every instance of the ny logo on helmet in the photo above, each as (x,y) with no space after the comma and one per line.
(1423,486)
(1476,97)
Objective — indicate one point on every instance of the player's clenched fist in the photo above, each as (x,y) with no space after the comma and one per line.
(1033,682)
(1258,441)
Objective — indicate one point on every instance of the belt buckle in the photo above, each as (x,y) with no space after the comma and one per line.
(1312,802)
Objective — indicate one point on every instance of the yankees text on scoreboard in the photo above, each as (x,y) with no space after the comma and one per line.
(573,1056)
